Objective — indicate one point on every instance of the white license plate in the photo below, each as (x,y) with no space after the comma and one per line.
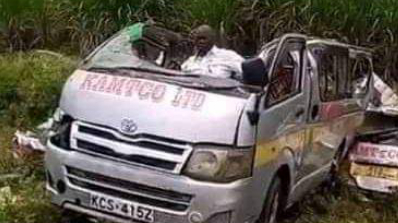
(121,207)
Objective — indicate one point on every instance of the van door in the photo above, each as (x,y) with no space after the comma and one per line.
(283,110)
(332,112)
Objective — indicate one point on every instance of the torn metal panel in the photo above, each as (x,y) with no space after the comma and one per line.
(375,178)
(375,154)
(374,162)
(374,157)
(385,100)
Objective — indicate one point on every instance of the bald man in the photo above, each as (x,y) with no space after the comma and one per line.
(210,60)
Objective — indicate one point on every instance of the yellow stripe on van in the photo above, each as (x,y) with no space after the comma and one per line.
(268,151)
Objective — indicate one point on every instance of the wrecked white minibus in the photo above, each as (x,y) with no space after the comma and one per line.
(136,142)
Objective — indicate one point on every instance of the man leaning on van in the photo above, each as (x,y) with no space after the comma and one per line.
(208,59)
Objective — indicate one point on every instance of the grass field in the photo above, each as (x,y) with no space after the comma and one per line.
(29,91)
(80,25)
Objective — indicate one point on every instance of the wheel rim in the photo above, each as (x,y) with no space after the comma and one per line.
(274,208)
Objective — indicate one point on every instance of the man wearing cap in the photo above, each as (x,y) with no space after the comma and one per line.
(210,60)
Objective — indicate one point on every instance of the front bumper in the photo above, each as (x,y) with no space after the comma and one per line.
(209,202)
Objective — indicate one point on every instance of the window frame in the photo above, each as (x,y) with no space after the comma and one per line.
(357,59)
(298,73)
(340,65)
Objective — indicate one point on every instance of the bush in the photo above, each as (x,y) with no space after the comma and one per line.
(30,85)
(245,24)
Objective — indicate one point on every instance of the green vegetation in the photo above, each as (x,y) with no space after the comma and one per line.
(244,24)
(345,205)
(30,83)
(30,86)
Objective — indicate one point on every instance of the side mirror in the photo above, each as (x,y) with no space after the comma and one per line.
(255,72)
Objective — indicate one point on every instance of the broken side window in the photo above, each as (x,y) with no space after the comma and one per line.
(360,71)
(333,66)
(285,81)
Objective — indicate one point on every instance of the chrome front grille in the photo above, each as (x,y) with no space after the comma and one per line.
(154,152)
(163,199)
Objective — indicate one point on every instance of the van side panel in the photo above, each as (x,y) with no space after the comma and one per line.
(281,138)
(330,123)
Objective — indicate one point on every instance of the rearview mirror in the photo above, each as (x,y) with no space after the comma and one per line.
(255,72)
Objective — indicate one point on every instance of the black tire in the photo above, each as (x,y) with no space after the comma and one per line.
(274,202)
(73,217)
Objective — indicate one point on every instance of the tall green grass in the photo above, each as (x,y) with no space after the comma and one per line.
(244,24)
(367,23)
(30,85)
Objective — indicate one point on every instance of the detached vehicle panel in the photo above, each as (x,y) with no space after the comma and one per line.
(373,159)
(138,142)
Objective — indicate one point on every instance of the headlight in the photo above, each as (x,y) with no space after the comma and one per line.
(59,131)
(62,137)
(58,115)
(220,164)
(52,124)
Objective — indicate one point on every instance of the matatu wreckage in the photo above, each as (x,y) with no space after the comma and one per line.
(137,140)
(373,158)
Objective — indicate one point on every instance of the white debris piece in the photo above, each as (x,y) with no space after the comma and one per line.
(28,143)
(388,99)
(30,140)
(25,144)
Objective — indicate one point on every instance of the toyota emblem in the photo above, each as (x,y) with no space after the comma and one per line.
(128,126)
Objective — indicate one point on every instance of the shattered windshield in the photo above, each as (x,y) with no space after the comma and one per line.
(157,55)
(120,52)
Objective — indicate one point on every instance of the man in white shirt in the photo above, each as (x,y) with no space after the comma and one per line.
(210,60)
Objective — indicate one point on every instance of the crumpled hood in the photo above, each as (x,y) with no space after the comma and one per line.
(155,108)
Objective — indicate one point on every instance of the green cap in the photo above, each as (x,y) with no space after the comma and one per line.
(136,31)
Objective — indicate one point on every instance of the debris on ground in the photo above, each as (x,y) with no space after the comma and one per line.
(26,144)
(31,143)
(385,100)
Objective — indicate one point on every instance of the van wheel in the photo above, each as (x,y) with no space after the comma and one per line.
(73,217)
(273,203)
